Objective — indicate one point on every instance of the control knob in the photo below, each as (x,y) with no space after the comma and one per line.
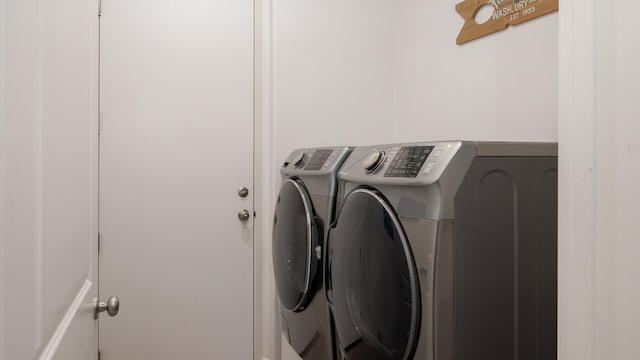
(298,160)
(373,161)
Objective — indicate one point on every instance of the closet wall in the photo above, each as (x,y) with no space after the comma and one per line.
(358,72)
(500,87)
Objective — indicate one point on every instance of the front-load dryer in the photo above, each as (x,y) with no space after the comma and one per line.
(304,210)
(446,251)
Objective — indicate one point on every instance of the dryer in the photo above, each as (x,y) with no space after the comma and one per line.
(446,251)
(304,210)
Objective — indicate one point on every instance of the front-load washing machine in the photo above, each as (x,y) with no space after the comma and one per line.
(446,251)
(304,210)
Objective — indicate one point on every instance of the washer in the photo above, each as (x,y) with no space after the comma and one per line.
(446,251)
(304,210)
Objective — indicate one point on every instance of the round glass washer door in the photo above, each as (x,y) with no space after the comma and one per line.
(295,236)
(373,284)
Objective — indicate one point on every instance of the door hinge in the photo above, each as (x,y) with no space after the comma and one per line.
(99,243)
(99,7)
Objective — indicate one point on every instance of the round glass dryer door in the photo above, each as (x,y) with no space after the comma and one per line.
(373,284)
(295,236)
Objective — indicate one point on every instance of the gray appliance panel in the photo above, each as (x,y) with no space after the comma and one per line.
(308,331)
(432,246)
(321,182)
(430,194)
(414,197)
(505,260)
(423,237)
(484,237)
(333,158)
(431,169)
(513,149)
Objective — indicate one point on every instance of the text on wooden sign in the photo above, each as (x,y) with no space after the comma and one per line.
(505,13)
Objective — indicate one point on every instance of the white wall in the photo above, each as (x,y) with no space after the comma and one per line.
(599,144)
(500,87)
(331,73)
(48,119)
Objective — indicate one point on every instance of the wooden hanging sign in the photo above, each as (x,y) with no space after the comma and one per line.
(505,13)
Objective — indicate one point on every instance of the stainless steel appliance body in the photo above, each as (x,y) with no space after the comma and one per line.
(445,251)
(304,210)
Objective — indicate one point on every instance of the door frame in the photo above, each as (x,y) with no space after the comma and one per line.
(266,328)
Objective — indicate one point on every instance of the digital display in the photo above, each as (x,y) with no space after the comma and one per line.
(318,159)
(408,161)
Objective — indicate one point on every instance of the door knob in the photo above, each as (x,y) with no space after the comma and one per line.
(111,306)
(243,192)
(244,215)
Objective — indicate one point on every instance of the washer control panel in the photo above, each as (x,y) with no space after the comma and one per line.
(314,161)
(318,159)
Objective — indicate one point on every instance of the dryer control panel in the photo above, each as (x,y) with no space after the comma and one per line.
(408,161)
(414,163)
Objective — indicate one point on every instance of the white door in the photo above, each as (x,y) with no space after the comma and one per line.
(176,144)
(48,181)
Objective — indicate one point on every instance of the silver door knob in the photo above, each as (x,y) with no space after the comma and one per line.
(111,306)
(244,215)
(243,192)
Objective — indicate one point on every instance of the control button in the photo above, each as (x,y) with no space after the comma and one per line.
(298,160)
(437,153)
(429,166)
(373,161)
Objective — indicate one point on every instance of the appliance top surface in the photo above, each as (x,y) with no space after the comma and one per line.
(315,161)
(504,148)
(423,163)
